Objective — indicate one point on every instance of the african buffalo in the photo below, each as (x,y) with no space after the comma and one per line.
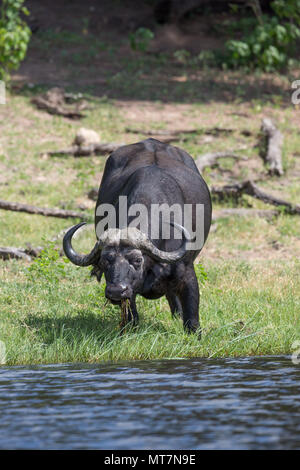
(148,174)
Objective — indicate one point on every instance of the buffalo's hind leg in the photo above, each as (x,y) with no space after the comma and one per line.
(175,304)
(188,293)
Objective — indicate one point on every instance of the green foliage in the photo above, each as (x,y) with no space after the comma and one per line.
(182,56)
(289,9)
(200,273)
(48,267)
(270,45)
(14,36)
(204,59)
(140,40)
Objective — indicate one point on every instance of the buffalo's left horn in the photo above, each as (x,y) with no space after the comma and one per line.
(80,260)
(166,256)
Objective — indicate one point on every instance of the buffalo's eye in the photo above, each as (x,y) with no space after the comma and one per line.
(108,258)
(136,262)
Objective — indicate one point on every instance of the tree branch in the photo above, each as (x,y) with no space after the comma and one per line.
(236,190)
(86,150)
(60,213)
(274,142)
(210,159)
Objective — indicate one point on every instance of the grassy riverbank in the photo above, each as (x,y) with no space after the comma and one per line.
(250,303)
(246,309)
(51,311)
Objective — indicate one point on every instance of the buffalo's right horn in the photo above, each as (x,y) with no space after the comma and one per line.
(80,260)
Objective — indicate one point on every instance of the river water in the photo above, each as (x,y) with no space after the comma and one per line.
(244,403)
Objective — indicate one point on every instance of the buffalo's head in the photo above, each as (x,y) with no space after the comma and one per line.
(121,255)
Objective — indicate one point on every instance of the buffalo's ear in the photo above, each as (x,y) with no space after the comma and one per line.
(96,271)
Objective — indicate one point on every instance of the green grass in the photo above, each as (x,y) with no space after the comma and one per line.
(248,306)
(63,317)
(250,302)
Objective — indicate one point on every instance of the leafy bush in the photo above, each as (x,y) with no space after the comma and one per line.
(289,9)
(271,44)
(14,36)
(139,41)
(48,267)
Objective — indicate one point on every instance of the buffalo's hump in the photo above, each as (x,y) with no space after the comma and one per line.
(152,172)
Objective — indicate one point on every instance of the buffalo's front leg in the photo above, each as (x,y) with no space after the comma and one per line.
(174,303)
(133,315)
(188,293)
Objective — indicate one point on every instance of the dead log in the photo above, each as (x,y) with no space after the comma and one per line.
(55,100)
(87,150)
(161,132)
(55,109)
(210,159)
(176,132)
(26,254)
(11,252)
(30,251)
(244,212)
(248,187)
(272,152)
(60,213)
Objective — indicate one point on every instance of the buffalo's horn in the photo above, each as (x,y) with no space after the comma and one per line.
(165,256)
(80,260)
(135,237)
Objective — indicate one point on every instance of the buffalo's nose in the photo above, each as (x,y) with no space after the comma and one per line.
(116,292)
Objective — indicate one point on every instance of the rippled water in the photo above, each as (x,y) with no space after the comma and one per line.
(250,403)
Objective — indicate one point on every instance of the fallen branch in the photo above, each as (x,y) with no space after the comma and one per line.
(34,251)
(16,253)
(55,102)
(236,190)
(175,132)
(210,159)
(273,144)
(86,150)
(244,212)
(55,109)
(60,213)
(161,132)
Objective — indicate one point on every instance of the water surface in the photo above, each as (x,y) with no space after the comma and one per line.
(248,403)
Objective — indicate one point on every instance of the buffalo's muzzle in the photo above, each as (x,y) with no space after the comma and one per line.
(117,292)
